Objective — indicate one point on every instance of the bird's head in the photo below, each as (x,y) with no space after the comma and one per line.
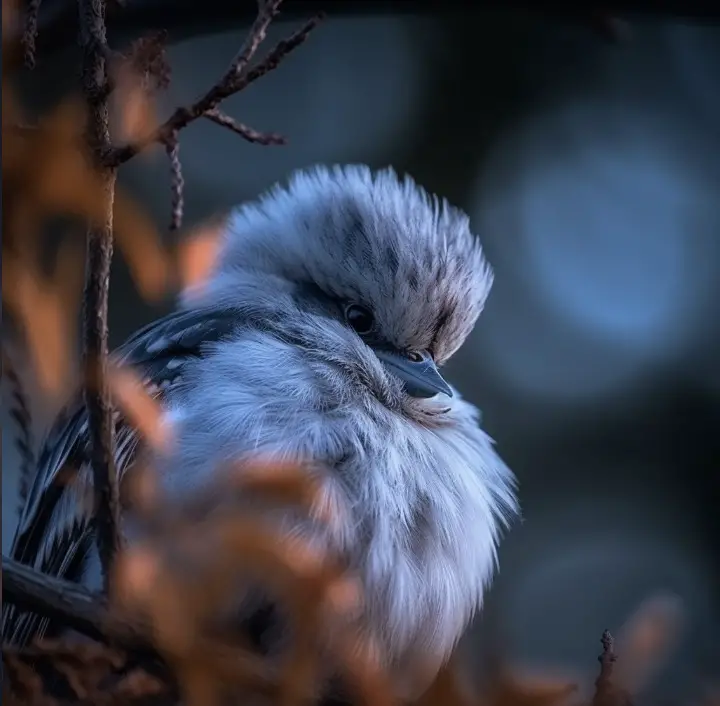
(366,266)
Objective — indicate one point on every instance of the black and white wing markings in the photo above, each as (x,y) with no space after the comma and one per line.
(54,532)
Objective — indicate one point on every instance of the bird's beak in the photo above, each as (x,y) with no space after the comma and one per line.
(421,377)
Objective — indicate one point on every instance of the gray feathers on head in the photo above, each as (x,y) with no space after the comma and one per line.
(368,238)
(425,491)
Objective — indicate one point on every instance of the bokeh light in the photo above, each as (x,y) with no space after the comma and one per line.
(602,240)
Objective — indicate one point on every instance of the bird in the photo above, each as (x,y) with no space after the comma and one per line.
(321,331)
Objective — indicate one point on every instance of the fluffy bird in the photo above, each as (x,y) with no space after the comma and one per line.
(319,336)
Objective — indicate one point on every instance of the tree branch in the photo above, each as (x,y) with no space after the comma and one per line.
(79,609)
(54,598)
(246,132)
(177,182)
(67,604)
(235,79)
(97,282)
(606,692)
(30,32)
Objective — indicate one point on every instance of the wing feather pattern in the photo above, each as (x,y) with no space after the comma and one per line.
(54,532)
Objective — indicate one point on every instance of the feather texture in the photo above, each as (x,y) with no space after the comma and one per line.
(261,359)
(20,413)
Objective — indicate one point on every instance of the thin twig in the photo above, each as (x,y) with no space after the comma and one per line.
(177,183)
(30,32)
(97,280)
(54,598)
(267,10)
(247,133)
(236,79)
(606,692)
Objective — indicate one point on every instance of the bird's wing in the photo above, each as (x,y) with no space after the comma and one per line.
(54,532)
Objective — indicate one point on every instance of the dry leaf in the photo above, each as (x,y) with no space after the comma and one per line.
(647,639)
(451,687)
(66,476)
(59,176)
(197,256)
(54,176)
(142,248)
(344,595)
(143,411)
(531,688)
(45,312)
(140,490)
(135,575)
(361,661)
(301,557)
(188,572)
(9,21)
(134,109)
(284,483)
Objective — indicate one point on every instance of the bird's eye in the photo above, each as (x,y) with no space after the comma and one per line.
(359,318)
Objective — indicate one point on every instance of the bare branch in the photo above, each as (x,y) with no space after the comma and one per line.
(177,183)
(606,692)
(267,10)
(30,33)
(83,611)
(145,624)
(247,133)
(603,684)
(43,307)
(97,282)
(54,598)
(236,79)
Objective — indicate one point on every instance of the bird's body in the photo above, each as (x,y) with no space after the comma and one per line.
(316,338)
